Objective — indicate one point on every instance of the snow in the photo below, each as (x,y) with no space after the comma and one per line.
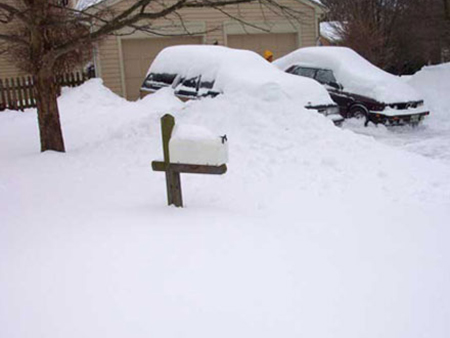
(84,4)
(192,144)
(328,30)
(356,74)
(238,72)
(314,231)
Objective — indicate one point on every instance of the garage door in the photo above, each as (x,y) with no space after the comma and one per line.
(138,54)
(279,44)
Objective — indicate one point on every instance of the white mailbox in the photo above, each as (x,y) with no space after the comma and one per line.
(191,144)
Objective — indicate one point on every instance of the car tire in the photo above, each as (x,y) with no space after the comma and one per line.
(359,112)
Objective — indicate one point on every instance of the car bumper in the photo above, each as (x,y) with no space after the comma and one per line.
(331,112)
(414,118)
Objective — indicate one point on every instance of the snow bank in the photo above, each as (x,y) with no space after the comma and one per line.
(433,82)
(356,74)
(314,231)
(239,72)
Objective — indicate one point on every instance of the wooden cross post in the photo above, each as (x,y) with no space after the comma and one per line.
(173,170)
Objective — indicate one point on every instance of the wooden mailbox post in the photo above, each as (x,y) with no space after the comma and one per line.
(173,170)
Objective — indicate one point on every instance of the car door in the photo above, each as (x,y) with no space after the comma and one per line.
(335,89)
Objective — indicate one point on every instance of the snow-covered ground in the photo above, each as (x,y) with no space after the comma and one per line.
(432,138)
(314,231)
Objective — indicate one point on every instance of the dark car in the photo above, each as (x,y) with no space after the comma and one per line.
(359,88)
(200,71)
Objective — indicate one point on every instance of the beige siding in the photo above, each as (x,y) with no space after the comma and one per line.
(138,54)
(109,67)
(7,68)
(218,28)
(279,44)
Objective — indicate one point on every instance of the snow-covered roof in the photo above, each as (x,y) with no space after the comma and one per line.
(356,74)
(238,71)
(330,30)
(83,4)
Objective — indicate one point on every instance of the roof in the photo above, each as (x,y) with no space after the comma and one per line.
(83,4)
(330,30)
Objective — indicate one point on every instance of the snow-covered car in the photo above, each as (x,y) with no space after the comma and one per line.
(357,86)
(198,71)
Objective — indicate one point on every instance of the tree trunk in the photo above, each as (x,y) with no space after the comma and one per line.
(447,9)
(46,93)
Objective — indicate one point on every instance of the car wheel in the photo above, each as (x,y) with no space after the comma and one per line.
(360,113)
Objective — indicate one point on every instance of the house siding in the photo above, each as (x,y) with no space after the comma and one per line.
(217,25)
(7,68)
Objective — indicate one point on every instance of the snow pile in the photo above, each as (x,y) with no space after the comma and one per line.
(314,231)
(238,72)
(193,144)
(433,83)
(356,74)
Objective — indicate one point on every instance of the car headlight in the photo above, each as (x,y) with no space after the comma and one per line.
(325,110)
(331,110)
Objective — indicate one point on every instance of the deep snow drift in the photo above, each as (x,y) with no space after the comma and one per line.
(314,231)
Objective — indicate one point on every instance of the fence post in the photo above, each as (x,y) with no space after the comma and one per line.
(19,95)
(8,94)
(2,96)
(31,91)
(25,93)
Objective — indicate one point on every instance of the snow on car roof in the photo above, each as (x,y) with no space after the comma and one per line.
(356,74)
(238,71)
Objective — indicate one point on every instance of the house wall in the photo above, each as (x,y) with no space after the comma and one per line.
(217,25)
(7,68)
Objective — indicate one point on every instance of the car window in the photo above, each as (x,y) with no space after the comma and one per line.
(304,71)
(158,80)
(191,82)
(207,84)
(291,69)
(188,87)
(205,88)
(325,76)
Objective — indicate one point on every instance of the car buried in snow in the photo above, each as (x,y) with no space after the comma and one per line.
(361,89)
(199,71)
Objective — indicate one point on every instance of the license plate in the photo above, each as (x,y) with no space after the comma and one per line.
(415,118)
